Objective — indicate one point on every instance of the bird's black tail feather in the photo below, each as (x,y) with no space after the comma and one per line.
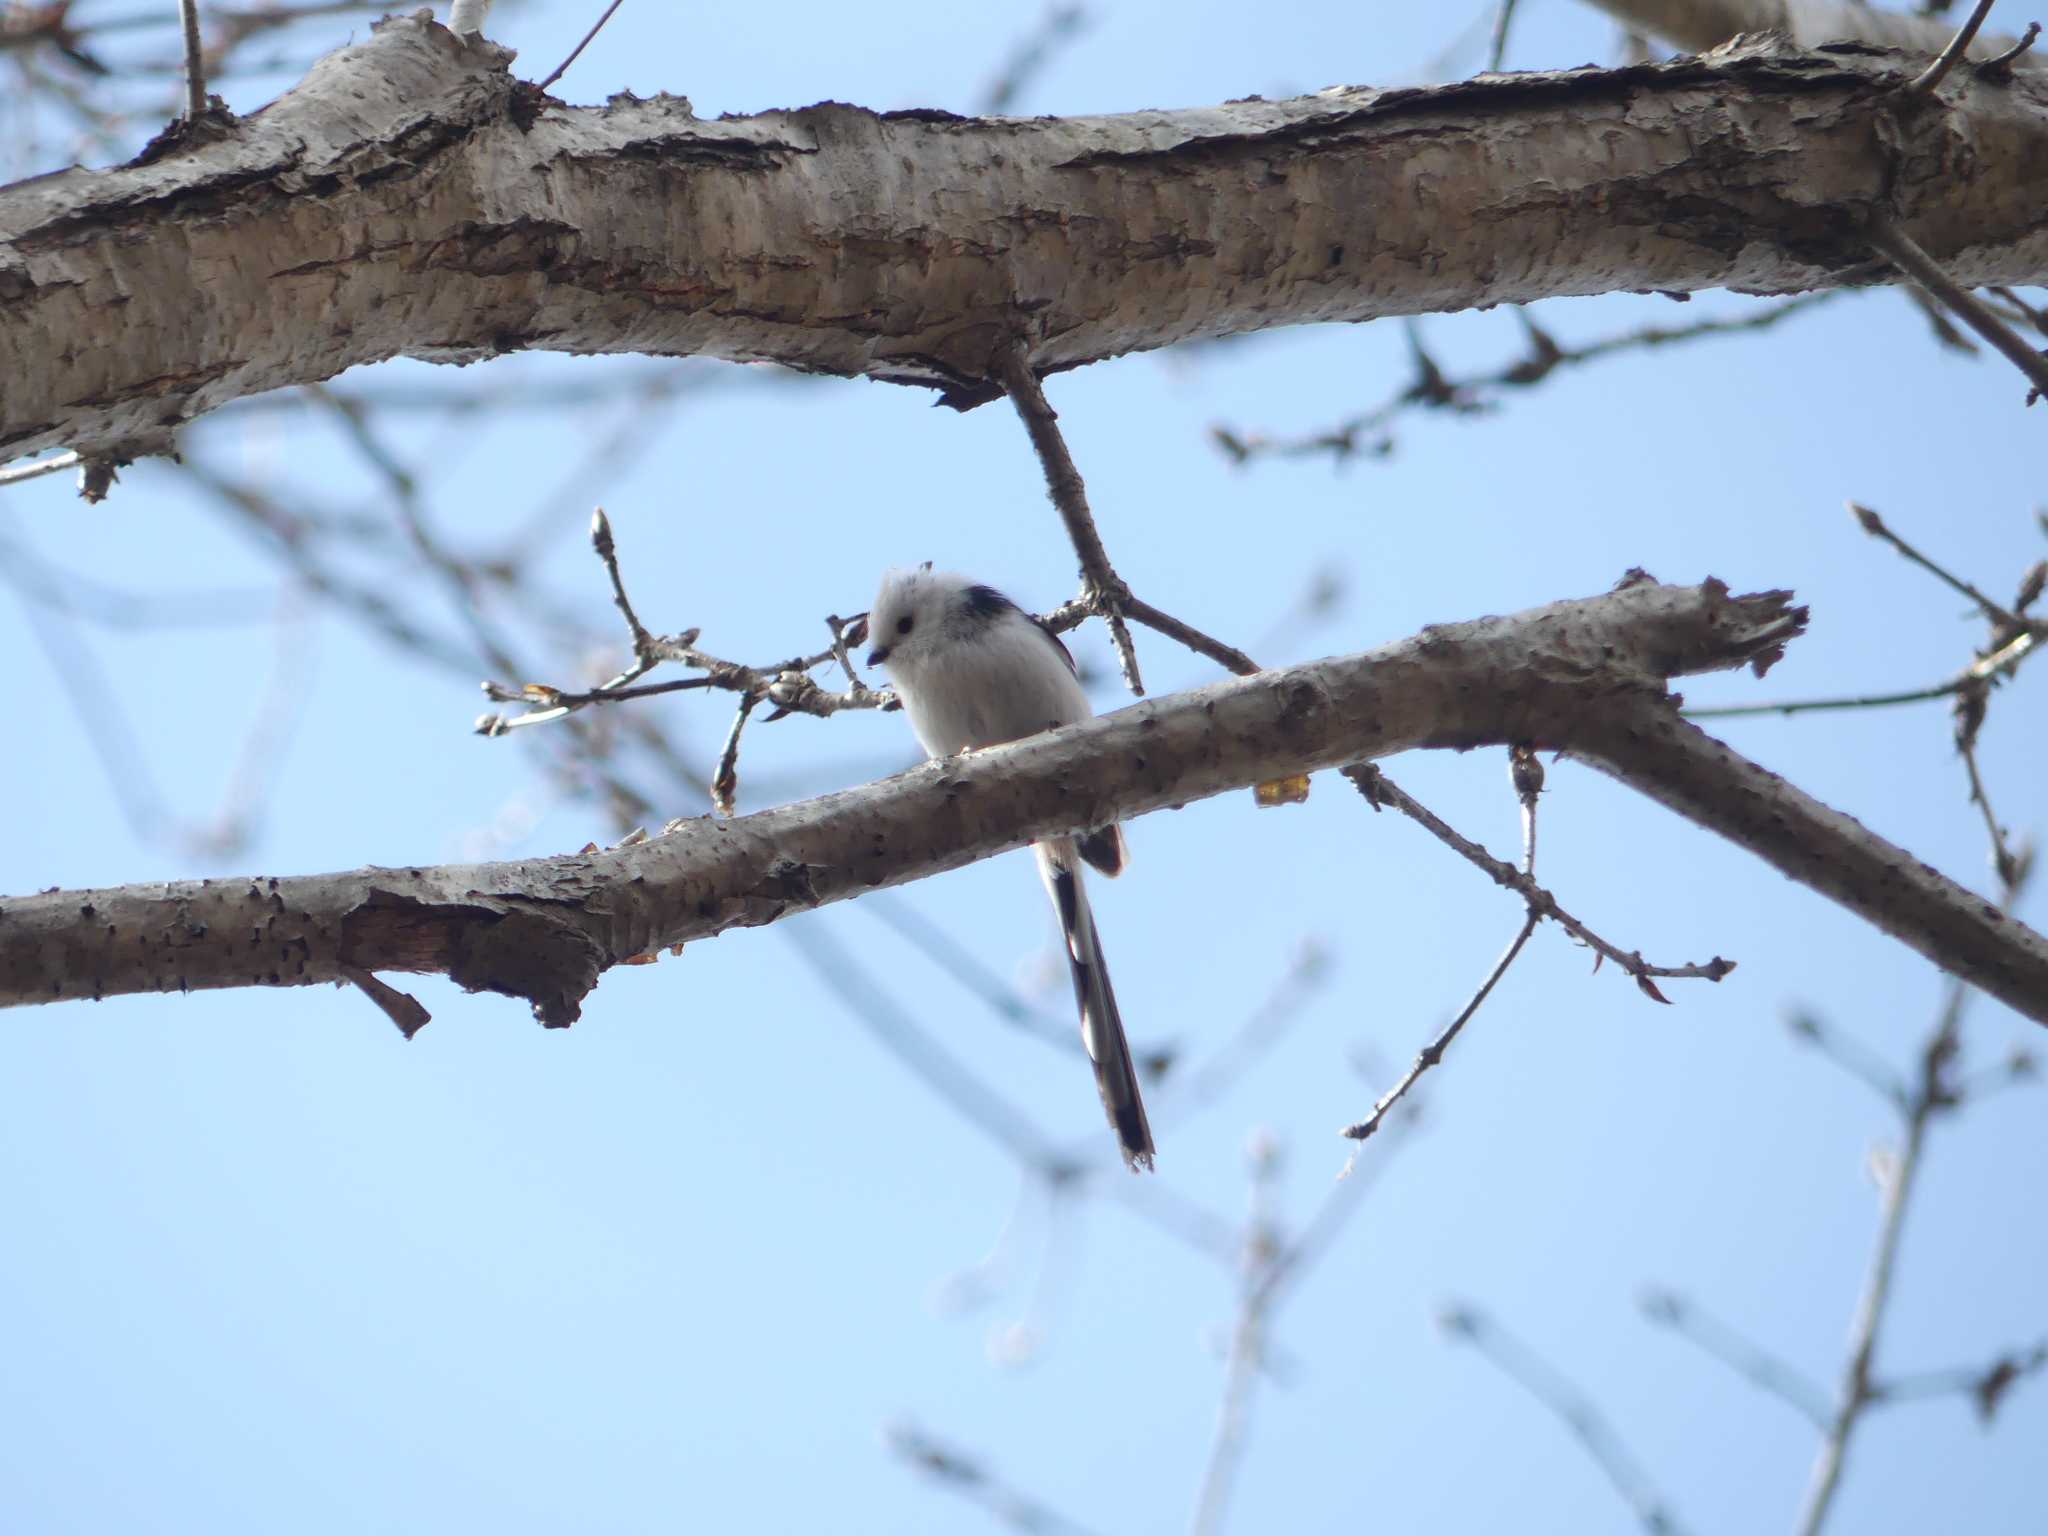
(1102,1027)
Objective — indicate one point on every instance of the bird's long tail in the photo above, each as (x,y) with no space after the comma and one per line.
(1102,1028)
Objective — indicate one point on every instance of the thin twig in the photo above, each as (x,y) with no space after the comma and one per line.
(1923,84)
(1378,790)
(1909,258)
(1433,1052)
(608,551)
(1223,655)
(1101,587)
(1229,1063)
(1572,1407)
(400,1008)
(957,1472)
(1851,1055)
(39,468)
(2000,65)
(195,66)
(1429,390)
(787,685)
(1028,58)
(956,961)
(725,781)
(1933,1093)
(1969,714)
(1247,1341)
(1986,1386)
(2000,663)
(562,68)
(1746,1358)
(1877,528)
(1497,51)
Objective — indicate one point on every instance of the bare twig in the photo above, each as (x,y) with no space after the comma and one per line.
(1059,25)
(1433,1052)
(1247,1339)
(1572,1408)
(1746,1358)
(1850,1054)
(894,1028)
(1986,1386)
(1909,258)
(2000,65)
(725,782)
(1309,970)
(597,27)
(1999,664)
(1269,1265)
(1877,528)
(195,66)
(1969,716)
(1224,655)
(787,685)
(956,961)
(2018,1067)
(1101,587)
(1378,790)
(1497,50)
(608,552)
(41,467)
(1362,434)
(957,1472)
(401,1008)
(1933,1092)
(1924,83)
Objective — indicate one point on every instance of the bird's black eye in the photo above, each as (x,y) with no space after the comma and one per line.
(903,625)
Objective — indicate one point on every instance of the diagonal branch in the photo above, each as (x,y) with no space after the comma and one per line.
(1584,676)
(1572,1408)
(1101,588)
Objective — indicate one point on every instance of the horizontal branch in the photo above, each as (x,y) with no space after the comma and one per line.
(1586,676)
(410,197)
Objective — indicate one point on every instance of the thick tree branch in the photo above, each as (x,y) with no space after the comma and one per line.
(411,198)
(1585,676)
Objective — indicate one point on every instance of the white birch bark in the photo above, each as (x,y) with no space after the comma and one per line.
(411,198)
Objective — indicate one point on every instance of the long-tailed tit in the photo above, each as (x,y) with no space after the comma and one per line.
(973,670)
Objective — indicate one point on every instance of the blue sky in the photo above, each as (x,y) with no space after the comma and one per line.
(682,1266)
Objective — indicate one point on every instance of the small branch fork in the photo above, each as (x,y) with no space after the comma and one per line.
(2014,636)
(1430,389)
(1924,84)
(1104,594)
(1544,1382)
(1935,1090)
(787,685)
(1102,590)
(1527,771)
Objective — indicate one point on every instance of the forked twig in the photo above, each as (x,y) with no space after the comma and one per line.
(1101,588)
(1905,254)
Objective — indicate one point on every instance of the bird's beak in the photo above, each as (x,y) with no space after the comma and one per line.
(878,655)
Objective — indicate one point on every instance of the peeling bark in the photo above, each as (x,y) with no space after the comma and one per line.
(411,198)
(1586,677)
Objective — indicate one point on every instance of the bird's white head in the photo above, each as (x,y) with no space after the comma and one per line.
(913,614)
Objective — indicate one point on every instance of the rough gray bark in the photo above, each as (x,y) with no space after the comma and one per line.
(1698,25)
(1586,677)
(411,198)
